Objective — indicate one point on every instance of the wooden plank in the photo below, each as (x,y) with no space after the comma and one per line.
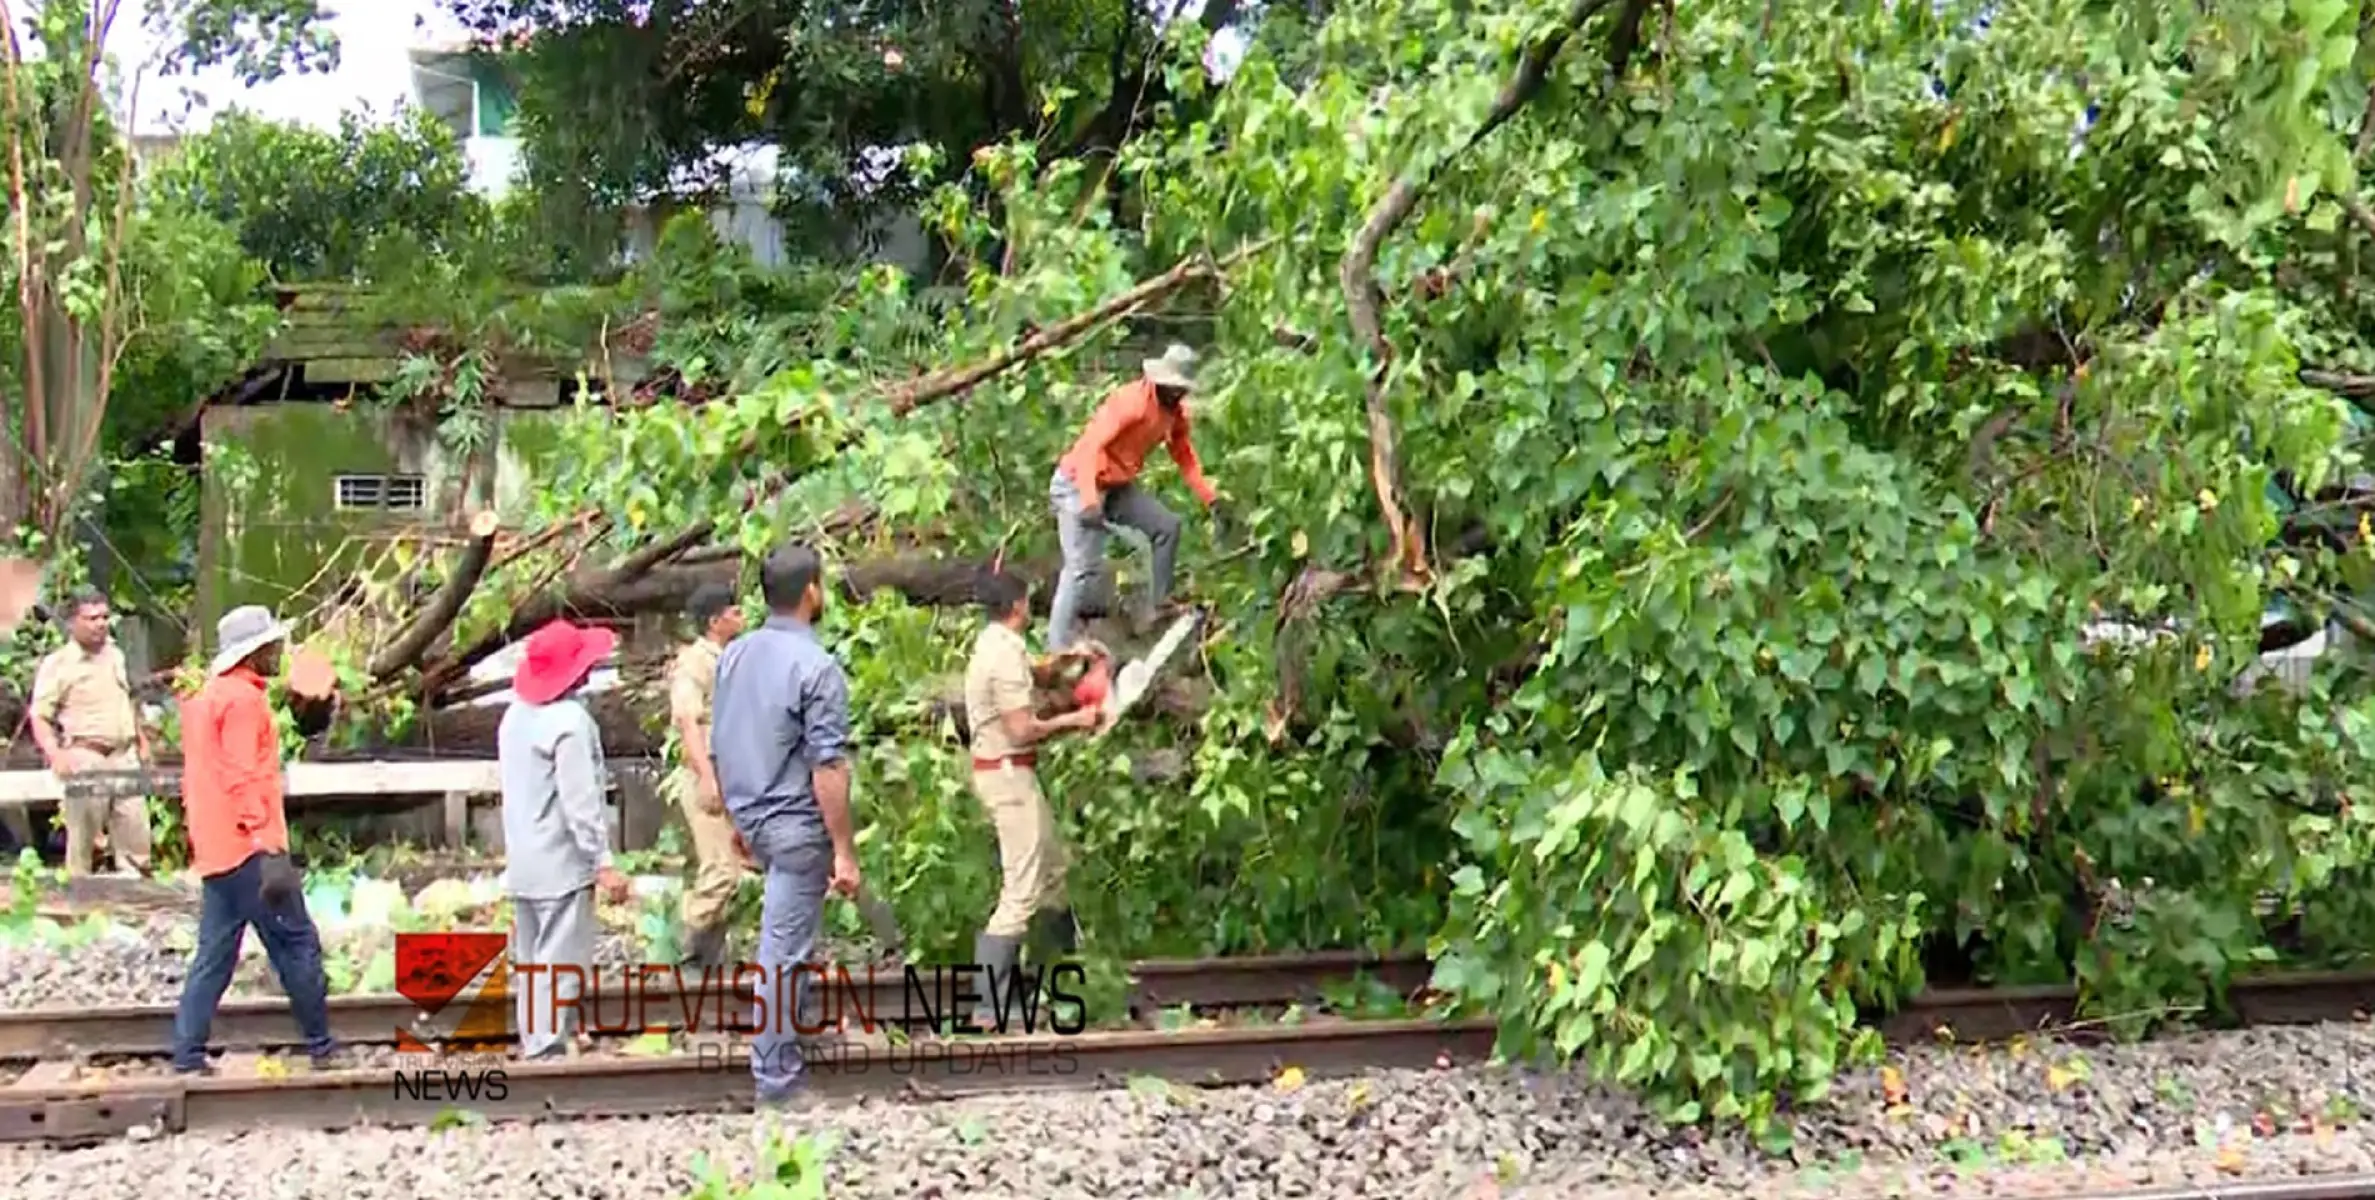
(468,776)
(457,820)
(481,776)
(332,342)
(349,370)
(46,1074)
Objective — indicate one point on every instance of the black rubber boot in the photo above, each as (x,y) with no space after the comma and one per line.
(1002,956)
(1054,934)
(706,948)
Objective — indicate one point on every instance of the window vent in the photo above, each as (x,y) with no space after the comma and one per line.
(407,492)
(398,493)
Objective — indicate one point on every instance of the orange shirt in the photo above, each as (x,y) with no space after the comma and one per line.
(230,773)
(1113,448)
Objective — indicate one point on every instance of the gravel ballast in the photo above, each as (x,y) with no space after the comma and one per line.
(123,955)
(2038,1119)
(143,960)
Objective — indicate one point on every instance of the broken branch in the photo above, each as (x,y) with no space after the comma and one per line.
(443,607)
(1363,295)
(596,593)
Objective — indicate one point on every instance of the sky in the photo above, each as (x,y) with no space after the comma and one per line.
(373,70)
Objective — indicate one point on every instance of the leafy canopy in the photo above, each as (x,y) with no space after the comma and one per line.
(316,206)
(1794,404)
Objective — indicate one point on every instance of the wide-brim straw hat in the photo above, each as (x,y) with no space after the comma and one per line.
(1175,369)
(557,657)
(241,632)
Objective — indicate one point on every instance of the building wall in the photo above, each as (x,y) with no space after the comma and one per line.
(494,163)
(272,529)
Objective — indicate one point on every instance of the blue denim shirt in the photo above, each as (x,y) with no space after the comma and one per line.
(781,710)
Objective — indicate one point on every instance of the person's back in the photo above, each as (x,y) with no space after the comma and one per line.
(779,701)
(779,737)
(540,768)
(556,830)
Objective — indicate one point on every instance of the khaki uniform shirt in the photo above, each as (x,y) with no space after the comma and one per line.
(87,697)
(997,681)
(692,682)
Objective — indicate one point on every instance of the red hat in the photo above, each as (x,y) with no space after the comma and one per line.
(557,657)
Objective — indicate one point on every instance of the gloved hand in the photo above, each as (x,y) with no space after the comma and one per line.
(1224,521)
(1093,516)
(281,883)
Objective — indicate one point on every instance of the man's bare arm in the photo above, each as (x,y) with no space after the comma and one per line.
(1027,728)
(47,739)
(832,799)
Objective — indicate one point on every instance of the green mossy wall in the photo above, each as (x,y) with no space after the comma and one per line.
(272,533)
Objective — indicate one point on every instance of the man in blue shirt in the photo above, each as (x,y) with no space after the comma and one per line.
(779,735)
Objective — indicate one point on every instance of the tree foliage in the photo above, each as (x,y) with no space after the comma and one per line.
(1748,502)
(1847,458)
(97,294)
(622,102)
(312,205)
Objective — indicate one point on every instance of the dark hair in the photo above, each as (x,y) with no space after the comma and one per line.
(999,592)
(709,600)
(76,603)
(786,574)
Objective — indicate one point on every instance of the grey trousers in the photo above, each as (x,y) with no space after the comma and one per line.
(551,933)
(1084,547)
(798,861)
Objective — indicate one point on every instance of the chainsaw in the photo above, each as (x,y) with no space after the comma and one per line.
(1120,692)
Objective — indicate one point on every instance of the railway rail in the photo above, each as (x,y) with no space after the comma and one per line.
(923,1068)
(49,1103)
(2307,1187)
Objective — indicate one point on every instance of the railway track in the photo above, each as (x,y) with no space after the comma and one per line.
(718,1079)
(50,1102)
(2308,1187)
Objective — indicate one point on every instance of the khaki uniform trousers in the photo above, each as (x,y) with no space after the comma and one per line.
(1030,848)
(719,866)
(123,818)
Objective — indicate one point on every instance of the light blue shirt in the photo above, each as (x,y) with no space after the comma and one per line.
(556,825)
(781,710)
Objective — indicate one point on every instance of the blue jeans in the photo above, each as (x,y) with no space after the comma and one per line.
(798,860)
(232,902)
(1124,504)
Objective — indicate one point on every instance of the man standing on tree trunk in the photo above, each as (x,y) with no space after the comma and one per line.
(720,858)
(780,739)
(84,720)
(1097,482)
(1006,733)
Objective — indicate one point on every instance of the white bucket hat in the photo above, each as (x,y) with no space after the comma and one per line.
(241,632)
(1175,369)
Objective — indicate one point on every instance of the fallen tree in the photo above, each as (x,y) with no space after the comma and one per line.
(1675,512)
(612,590)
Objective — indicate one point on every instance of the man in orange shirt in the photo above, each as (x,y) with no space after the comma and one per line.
(1097,482)
(239,844)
